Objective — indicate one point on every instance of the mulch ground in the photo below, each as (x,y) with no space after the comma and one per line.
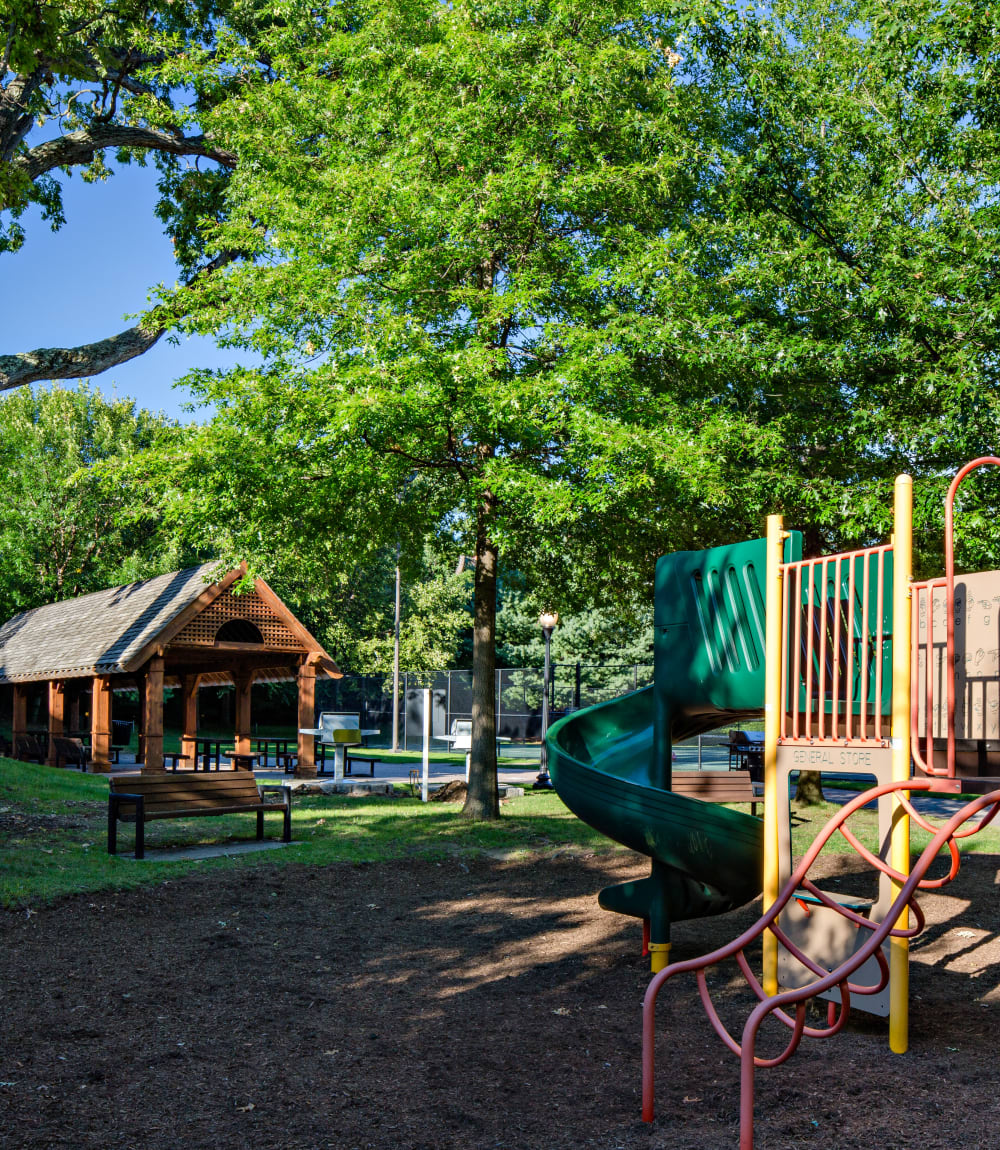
(473,1004)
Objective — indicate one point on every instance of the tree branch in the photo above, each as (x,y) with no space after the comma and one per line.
(72,362)
(15,119)
(47,363)
(79,147)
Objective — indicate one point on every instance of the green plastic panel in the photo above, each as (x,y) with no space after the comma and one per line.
(611,764)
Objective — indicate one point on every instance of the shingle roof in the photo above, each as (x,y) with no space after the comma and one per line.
(96,634)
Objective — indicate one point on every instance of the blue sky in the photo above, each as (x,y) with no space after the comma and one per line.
(78,284)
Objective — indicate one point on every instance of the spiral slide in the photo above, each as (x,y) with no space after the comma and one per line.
(611,764)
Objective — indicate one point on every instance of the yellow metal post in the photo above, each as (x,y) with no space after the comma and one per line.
(659,956)
(772,728)
(899,851)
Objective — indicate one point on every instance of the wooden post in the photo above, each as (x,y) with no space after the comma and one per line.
(243,682)
(57,717)
(307,718)
(19,723)
(189,719)
(140,753)
(100,726)
(153,724)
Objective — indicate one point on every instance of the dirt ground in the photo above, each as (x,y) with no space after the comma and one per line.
(474,1003)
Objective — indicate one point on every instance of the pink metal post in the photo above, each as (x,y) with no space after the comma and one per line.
(949,560)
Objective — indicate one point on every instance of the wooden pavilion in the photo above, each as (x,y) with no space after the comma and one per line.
(179,629)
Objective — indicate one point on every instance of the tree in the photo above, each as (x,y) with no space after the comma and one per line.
(438,199)
(435,614)
(608,283)
(86,69)
(836,286)
(833,295)
(64,530)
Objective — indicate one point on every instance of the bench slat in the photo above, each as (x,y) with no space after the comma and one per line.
(127,811)
(715,786)
(239,780)
(184,792)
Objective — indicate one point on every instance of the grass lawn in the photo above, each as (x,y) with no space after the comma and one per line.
(53,834)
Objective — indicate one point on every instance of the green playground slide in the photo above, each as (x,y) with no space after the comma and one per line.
(611,764)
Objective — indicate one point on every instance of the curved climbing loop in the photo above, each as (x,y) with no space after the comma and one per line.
(789,1006)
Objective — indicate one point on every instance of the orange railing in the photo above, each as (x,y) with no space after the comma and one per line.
(837,634)
(923,601)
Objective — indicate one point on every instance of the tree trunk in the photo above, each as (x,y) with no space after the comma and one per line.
(483,800)
(809,791)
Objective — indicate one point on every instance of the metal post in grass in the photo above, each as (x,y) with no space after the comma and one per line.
(395,665)
(548,621)
(427,745)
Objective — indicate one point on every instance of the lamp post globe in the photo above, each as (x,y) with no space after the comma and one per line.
(548,621)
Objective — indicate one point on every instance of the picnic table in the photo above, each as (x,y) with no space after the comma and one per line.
(242,760)
(282,748)
(460,739)
(206,750)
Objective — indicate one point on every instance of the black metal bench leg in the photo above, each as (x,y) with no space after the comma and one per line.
(260,824)
(287,832)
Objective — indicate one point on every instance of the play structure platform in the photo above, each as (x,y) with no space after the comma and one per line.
(855,668)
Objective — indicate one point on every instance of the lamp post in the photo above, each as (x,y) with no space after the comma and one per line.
(395,664)
(548,621)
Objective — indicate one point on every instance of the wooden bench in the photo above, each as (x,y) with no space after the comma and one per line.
(29,749)
(717,787)
(142,798)
(70,752)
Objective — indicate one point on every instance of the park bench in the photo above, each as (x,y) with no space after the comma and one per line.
(29,749)
(70,752)
(717,787)
(142,798)
(350,760)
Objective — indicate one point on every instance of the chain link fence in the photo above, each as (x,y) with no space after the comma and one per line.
(518,698)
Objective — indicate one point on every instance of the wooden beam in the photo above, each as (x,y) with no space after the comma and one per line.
(189,715)
(306,768)
(57,717)
(153,760)
(100,725)
(178,671)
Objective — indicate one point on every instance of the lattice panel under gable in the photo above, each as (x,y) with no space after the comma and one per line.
(204,627)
